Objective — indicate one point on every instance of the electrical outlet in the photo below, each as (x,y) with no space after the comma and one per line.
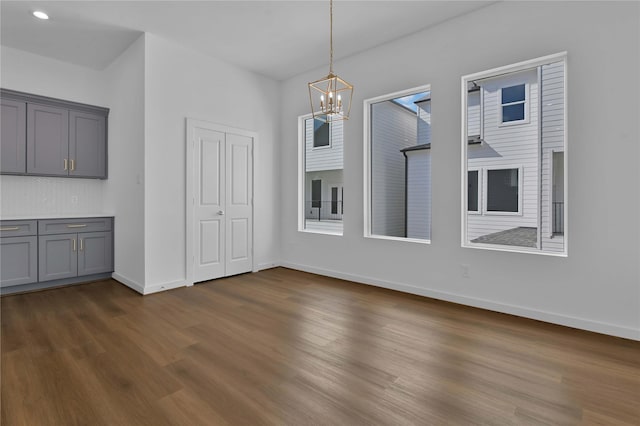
(465,271)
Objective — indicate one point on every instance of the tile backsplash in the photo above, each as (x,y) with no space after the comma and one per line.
(38,196)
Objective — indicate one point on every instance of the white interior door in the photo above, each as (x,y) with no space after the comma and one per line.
(239,214)
(220,219)
(209,199)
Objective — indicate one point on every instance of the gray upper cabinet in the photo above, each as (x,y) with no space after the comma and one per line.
(51,137)
(47,140)
(13,149)
(87,145)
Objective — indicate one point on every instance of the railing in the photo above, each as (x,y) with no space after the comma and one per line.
(558,217)
(324,210)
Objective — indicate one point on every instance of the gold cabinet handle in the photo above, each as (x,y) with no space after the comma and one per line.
(74,244)
(81,244)
(73,164)
(66,164)
(77,226)
(10,228)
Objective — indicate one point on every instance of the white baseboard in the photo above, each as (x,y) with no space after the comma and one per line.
(266,265)
(128,282)
(149,289)
(550,317)
(164,286)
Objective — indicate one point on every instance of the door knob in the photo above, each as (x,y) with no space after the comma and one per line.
(220,213)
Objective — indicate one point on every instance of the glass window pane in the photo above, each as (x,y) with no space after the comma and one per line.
(472,191)
(512,112)
(513,94)
(316,193)
(320,133)
(502,190)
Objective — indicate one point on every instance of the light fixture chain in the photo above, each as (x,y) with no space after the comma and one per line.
(331,36)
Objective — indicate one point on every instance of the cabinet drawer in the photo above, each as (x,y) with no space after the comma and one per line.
(72,226)
(18,228)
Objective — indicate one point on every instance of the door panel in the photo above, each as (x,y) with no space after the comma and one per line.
(209,191)
(95,253)
(13,145)
(239,204)
(47,140)
(58,257)
(19,260)
(87,145)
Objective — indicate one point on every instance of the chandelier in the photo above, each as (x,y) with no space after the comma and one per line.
(330,96)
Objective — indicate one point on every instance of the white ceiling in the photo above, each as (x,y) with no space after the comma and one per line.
(278,39)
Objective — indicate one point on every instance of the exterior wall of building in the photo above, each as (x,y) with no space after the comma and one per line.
(324,158)
(419,194)
(507,146)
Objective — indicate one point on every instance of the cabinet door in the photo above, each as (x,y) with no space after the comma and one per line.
(95,253)
(13,142)
(19,260)
(47,140)
(87,145)
(58,257)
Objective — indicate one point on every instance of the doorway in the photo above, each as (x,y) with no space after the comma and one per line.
(219,208)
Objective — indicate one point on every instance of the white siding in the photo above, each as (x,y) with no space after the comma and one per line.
(509,146)
(419,194)
(393,128)
(424,122)
(552,126)
(473,114)
(324,158)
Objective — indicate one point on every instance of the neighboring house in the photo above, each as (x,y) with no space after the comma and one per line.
(324,170)
(418,175)
(393,129)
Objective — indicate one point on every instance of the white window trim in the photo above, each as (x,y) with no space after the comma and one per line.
(479,189)
(526,119)
(485,189)
(367,162)
(464,82)
(319,148)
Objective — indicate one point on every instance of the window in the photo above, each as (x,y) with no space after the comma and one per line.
(398,167)
(514,178)
(319,172)
(502,190)
(513,103)
(321,134)
(316,193)
(473,204)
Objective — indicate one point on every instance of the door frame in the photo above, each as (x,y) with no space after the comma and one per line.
(190,171)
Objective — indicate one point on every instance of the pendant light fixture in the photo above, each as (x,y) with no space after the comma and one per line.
(330,96)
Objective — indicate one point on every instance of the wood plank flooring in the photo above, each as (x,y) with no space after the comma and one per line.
(282,347)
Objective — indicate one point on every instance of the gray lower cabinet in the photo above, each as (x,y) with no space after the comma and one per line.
(13,145)
(19,260)
(60,250)
(64,252)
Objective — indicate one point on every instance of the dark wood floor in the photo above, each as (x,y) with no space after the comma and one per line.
(288,348)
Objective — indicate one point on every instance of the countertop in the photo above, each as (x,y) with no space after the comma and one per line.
(56,216)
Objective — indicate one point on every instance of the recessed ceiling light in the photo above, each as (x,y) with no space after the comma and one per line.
(40,14)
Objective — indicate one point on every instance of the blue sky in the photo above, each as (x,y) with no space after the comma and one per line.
(408,101)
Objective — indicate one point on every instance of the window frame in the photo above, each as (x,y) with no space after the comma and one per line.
(501,105)
(485,190)
(367,157)
(507,69)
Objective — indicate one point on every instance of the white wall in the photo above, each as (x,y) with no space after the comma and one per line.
(598,286)
(27,195)
(124,190)
(181,83)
